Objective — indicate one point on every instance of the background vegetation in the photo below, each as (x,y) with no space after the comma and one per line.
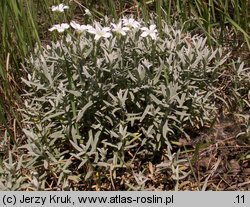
(24,25)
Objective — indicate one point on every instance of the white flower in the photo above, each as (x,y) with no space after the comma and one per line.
(59,27)
(59,8)
(119,29)
(131,23)
(100,31)
(79,28)
(87,12)
(151,31)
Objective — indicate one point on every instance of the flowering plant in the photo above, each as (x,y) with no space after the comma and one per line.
(115,89)
(59,27)
(59,8)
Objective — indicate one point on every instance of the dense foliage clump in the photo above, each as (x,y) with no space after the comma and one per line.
(98,99)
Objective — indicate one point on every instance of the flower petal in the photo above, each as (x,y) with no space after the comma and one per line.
(144,34)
